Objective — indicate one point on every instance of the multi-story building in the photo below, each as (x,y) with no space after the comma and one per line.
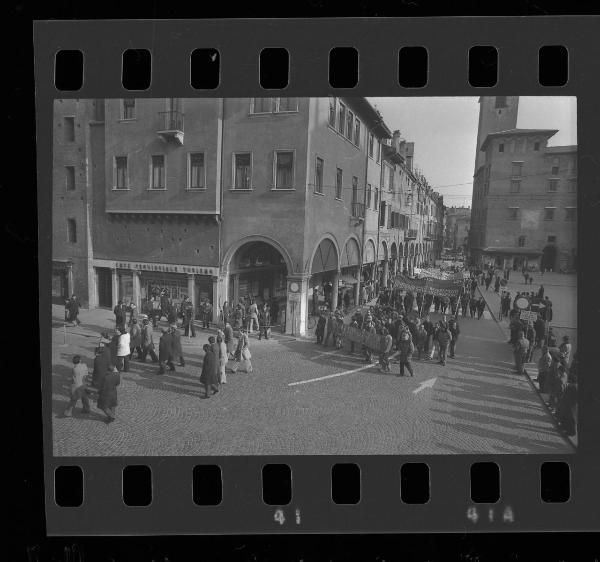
(224,199)
(457,228)
(524,200)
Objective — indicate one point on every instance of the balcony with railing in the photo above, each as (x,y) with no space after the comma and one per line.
(411,234)
(358,210)
(172,126)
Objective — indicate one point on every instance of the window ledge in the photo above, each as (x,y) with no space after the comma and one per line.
(238,189)
(121,189)
(127,120)
(338,199)
(195,188)
(157,189)
(318,193)
(283,189)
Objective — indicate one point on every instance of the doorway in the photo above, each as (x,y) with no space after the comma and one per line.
(104,287)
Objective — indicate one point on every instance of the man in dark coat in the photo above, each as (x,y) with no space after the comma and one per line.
(540,331)
(520,352)
(107,396)
(430,329)
(406,348)
(120,314)
(147,342)
(209,375)
(188,317)
(102,364)
(165,352)
(455,331)
(74,310)
(444,337)
(177,351)
(480,308)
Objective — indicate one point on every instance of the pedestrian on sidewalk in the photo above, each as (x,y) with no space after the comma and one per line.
(228,339)
(406,349)
(147,342)
(123,350)
(520,350)
(78,387)
(223,356)
(209,376)
(102,364)
(421,340)
(120,314)
(264,322)
(540,293)
(133,313)
(473,306)
(242,353)
(320,329)
(464,303)
(328,328)
(188,317)
(107,395)
(369,328)
(206,314)
(165,352)
(74,310)
(177,349)
(252,317)
(530,335)
(430,330)
(544,364)
(444,337)
(135,339)
(454,328)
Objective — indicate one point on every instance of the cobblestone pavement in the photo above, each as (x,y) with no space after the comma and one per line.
(475,404)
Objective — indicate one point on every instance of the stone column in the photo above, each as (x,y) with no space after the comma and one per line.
(215,299)
(115,287)
(191,288)
(296,311)
(386,273)
(357,291)
(233,299)
(137,297)
(70,281)
(336,288)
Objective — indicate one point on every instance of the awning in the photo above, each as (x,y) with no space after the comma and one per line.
(507,250)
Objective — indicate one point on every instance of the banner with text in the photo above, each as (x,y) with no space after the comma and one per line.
(439,287)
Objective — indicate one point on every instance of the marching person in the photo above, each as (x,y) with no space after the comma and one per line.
(123,350)
(473,306)
(421,340)
(176,345)
(242,353)
(384,359)
(102,364)
(210,368)
(147,342)
(253,317)
(480,308)
(464,303)
(405,349)
(369,328)
(227,313)
(165,352)
(443,337)
(544,364)
(454,331)
(430,329)
(133,313)
(78,387)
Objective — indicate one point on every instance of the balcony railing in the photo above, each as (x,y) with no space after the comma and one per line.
(358,210)
(411,234)
(173,126)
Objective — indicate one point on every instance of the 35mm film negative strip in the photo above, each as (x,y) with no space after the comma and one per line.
(236,221)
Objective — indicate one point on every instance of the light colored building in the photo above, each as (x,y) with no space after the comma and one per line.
(524,201)
(225,199)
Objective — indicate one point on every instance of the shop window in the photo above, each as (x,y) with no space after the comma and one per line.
(319,175)
(69,129)
(70,177)
(72,231)
(242,170)
(284,169)
(196,171)
(157,172)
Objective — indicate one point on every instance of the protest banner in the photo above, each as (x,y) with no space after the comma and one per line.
(439,287)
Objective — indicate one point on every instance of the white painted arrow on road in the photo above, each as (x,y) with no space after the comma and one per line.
(426,384)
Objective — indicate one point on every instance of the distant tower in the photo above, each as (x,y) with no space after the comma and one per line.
(496,113)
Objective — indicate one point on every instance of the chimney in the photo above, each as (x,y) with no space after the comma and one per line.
(396,140)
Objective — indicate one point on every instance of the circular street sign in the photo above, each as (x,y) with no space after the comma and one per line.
(523,302)
(294,287)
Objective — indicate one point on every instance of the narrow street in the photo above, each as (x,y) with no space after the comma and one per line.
(306,399)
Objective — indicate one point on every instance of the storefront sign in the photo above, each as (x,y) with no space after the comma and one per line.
(162,267)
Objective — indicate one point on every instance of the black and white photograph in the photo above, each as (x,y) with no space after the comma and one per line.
(314,276)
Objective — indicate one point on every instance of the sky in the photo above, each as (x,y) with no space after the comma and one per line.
(444,131)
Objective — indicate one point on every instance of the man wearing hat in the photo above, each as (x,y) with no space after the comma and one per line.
(177,351)
(120,313)
(165,352)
